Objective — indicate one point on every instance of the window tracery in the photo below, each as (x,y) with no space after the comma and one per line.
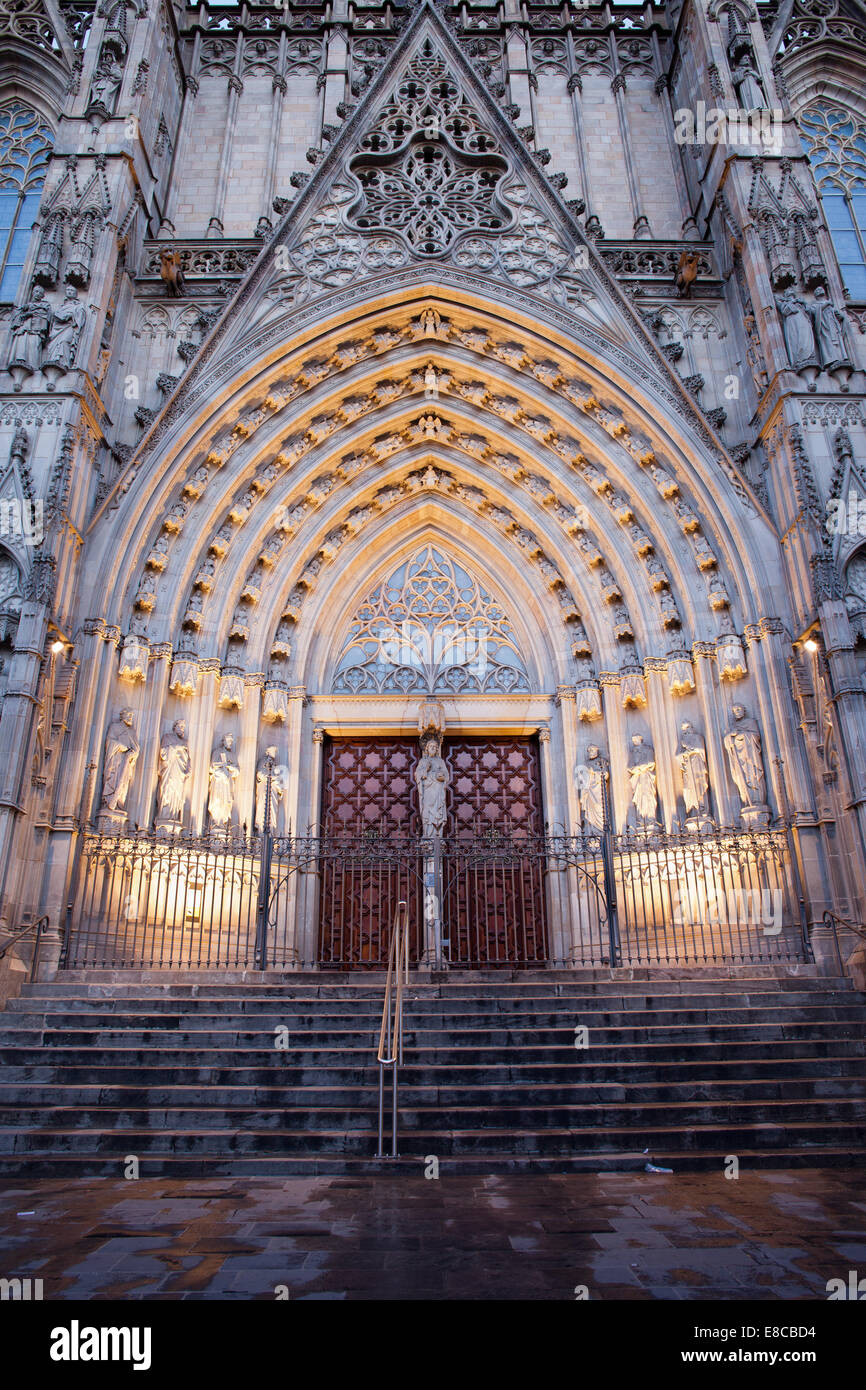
(431,627)
(25,145)
(835,142)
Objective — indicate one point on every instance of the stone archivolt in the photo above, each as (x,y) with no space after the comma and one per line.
(569,518)
(604,420)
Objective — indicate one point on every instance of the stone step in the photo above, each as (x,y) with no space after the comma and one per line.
(481,986)
(551,1142)
(482,1040)
(612,1013)
(188,1077)
(169,1166)
(513,1116)
(692,1046)
(571,1071)
(363,1090)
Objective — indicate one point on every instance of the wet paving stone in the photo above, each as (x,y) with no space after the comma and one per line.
(768,1235)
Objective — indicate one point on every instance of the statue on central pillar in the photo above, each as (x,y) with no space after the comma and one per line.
(432,778)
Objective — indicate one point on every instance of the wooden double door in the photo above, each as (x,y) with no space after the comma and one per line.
(492,872)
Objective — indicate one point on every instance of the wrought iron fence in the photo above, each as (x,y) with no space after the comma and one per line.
(500,899)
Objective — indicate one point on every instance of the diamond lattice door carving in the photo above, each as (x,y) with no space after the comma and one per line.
(493,878)
(370,817)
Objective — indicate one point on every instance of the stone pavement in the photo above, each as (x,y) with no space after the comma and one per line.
(769,1235)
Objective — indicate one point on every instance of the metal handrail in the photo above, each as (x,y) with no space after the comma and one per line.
(832,919)
(40,926)
(390,1050)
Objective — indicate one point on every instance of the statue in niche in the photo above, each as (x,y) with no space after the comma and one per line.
(830,328)
(19,446)
(175,765)
(692,758)
(278,774)
(591,778)
(754,351)
(106,84)
(67,321)
(432,778)
(743,747)
(642,775)
(746,79)
(224,773)
(29,327)
(797,329)
(121,755)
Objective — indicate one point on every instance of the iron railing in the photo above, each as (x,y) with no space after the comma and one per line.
(502,900)
(389,1053)
(834,922)
(40,926)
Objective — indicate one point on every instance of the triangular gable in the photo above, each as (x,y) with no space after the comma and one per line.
(427,171)
(426,174)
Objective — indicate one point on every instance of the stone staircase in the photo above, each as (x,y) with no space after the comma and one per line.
(277,1075)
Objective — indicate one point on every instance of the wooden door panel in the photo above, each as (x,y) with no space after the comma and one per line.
(493,903)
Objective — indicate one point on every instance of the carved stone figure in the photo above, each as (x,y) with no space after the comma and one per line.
(47,267)
(20,445)
(755,353)
(747,81)
(432,778)
(692,758)
(829,325)
(67,322)
(105,88)
(687,270)
(171,273)
(743,747)
(224,773)
(121,755)
(642,775)
(591,777)
(29,330)
(797,330)
(175,765)
(269,768)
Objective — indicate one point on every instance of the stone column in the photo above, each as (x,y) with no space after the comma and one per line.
(278,87)
(556,887)
(618,87)
(236,87)
(307,911)
(592,225)
(663,92)
(184,134)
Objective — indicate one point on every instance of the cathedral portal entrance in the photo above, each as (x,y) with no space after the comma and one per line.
(492,883)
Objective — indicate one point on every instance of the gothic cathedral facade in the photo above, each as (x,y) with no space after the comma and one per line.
(489,371)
